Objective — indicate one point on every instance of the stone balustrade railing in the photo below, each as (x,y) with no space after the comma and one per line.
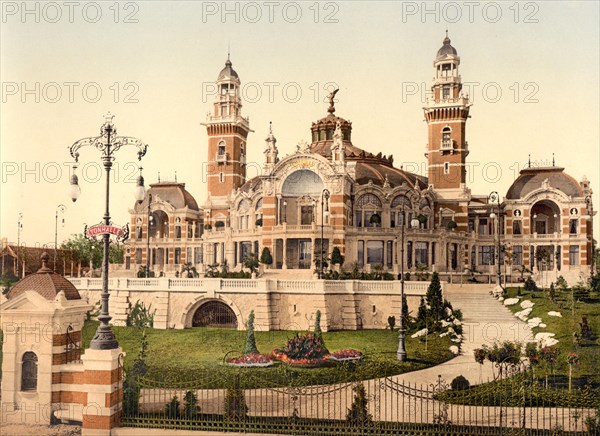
(250,286)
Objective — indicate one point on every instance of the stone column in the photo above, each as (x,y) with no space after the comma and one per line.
(103,380)
(284,264)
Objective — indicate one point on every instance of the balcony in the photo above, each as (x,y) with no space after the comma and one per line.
(221,158)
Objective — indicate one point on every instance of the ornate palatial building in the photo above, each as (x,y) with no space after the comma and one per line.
(330,192)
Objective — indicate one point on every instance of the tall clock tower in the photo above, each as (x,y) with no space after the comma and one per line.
(446,114)
(227,134)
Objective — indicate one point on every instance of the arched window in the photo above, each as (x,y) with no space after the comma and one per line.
(243,214)
(399,208)
(367,212)
(446,140)
(424,213)
(258,212)
(221,150)
(29,369)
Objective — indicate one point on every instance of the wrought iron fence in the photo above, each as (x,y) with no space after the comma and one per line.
(382,406)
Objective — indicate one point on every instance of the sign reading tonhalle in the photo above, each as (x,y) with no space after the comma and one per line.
(103,229)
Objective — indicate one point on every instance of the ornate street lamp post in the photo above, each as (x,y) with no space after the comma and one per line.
(107,143)
(148,237)
(590,210)
(495,198)
(61,208)
(19,227)
(324,213)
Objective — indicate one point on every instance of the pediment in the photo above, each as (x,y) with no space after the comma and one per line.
(29,301)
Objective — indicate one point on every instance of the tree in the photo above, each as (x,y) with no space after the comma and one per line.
(265,256)
(336,256)
(434,297)
(250,347)
(86,250)
(358,414)
(405,318)
(188,270)
(190,405)
(251,262)
(422,314)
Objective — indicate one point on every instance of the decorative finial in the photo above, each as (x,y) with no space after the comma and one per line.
(159,177)
(529,161)
(175,176)
(45,257)
(270,127)
(108,118)
(553,161)
(228,49)
(331,96)
(446,33)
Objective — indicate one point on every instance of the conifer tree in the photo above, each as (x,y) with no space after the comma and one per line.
(250,338)
(434,297)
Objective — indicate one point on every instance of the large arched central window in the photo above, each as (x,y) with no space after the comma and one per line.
(29,370)
(367,212)
(302,182)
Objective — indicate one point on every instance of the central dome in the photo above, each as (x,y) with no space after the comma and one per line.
(228,72)
(446,49)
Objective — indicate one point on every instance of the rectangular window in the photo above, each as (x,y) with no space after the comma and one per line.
(375,252)
(138,233)
(188,255)
(421,253)
(409,253)
(138,256)
(198,255)
(486,255)
(128,262)
(446,168)
(483,226)
(177,256)
(166,255)
(517,255)
(516,227)
(358,218)
(361,253)
(190,230)
(574,255)
(573,227)
(178,232)
(390,254)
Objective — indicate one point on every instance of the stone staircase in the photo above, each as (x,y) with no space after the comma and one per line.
(486,320)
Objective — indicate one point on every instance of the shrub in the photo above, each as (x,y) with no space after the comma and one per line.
(585,329)
(219,224)
(172,408)
(258,222)
(307,346)
(358,414)
(336,256)
(460,384)
(434,297)
(236,408)
(318,332)
(265,256)
(190,405)
(142,272)
(207,227)
(250,338)
(250,261)
(530,285)
(392,322)
(140,316)
(375,219)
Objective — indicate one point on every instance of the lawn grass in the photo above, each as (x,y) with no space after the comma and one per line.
(194,357)
(589,351)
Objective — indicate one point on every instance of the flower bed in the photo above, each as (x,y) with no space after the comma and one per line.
(345,355)
(251,360)
(303,362)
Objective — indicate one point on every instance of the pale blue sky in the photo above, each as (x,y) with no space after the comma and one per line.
(374,52)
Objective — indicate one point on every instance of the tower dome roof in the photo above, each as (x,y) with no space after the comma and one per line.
(446,49)
(45,282)
(228,72)
(531,179)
